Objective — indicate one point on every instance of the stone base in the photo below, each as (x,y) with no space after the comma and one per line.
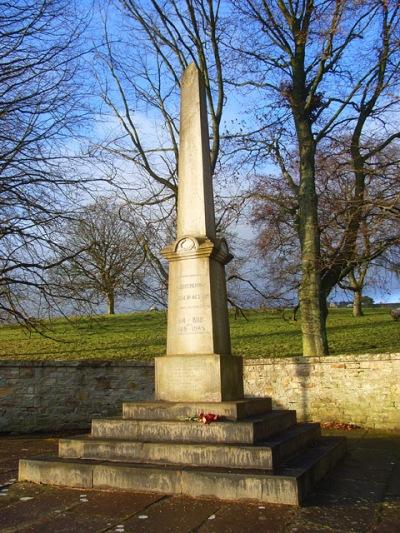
(278,449)
(199,378)
(289,486)
(249,431)
(247,455)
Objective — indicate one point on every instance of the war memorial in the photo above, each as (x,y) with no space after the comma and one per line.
(248,451)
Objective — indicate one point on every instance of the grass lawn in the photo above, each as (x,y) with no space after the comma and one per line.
(142,336)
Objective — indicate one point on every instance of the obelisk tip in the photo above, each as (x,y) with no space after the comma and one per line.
(189,73)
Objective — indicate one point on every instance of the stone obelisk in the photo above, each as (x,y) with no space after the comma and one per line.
(198,365)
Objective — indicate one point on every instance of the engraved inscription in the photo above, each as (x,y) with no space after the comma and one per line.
(192,285)
(192,299)
(190,325)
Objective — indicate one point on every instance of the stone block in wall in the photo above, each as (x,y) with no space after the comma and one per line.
(26,372)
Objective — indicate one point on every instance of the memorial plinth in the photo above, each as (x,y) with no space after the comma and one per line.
(198,365)
(251,452)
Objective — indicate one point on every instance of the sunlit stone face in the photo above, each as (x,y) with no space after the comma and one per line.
(198,365)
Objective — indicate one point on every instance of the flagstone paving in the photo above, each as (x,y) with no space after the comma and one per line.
(361,495)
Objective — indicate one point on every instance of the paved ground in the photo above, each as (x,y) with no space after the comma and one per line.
(361,495)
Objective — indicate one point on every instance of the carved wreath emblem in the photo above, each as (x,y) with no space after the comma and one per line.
(186,245)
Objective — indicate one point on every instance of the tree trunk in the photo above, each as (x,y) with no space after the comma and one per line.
(357,305)
(313,316)
(312,302)
(111,302)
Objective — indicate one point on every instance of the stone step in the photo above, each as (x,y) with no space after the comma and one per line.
(288,486)
(234,410)
(241,432)
(265,455)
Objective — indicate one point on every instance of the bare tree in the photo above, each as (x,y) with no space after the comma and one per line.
(275,209)
(105,255)
(141,90)
(320,70)
(356,284)
(378,216)
(40,107)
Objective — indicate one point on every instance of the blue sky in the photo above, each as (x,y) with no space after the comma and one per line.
(233,111)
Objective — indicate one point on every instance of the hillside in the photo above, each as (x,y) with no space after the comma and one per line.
(142,336)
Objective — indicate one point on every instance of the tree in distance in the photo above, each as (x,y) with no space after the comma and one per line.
(105,255)
(275,209)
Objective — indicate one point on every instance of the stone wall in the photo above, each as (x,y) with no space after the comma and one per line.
(358,389)
(53,395)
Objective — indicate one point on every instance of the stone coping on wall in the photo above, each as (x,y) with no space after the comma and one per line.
(327,359)
(91,363)
(348,358)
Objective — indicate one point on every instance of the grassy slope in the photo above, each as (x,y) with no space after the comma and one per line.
(142,336)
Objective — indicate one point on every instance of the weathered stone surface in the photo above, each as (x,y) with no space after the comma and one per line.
(53,395)
(207,378)
(195,201)
(241,432)
(339,392)
(266,455)
(314,463)
(289,442)
(55,473)
(359,389)
(361,494)
(241,486)
(137,477)
(287,487)
(261,458)
(197,309)
(233,410)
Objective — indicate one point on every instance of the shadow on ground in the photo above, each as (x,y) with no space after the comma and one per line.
(361,495)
